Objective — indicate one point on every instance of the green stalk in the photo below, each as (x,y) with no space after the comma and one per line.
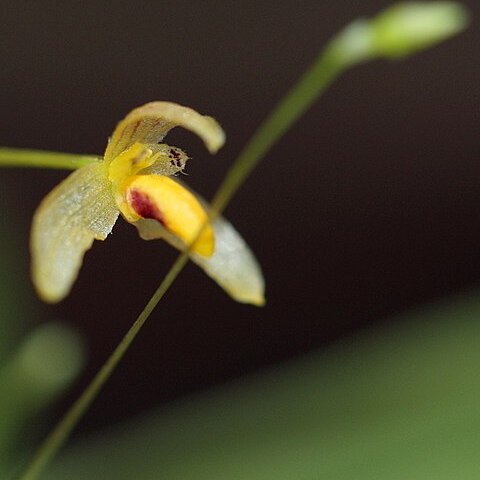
(17,157)
(64,427)
(314,82)
(360,41)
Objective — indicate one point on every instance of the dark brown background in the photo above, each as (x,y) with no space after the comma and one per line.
(367,207)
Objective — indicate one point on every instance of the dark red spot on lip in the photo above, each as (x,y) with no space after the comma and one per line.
(143,206)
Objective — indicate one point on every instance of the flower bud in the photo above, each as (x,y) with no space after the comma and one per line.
(406,28)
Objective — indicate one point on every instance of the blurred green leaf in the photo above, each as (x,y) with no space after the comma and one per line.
(397,402)
(42,367)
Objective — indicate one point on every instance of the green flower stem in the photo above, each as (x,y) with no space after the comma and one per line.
(355,44)
(16,157)
(315,81)
(62,430)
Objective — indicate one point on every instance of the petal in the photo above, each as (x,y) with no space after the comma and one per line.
(233,265)
(77,211)
(150,123)
(173,206)
(166,160)
(159,159)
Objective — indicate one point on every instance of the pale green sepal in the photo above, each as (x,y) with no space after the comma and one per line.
(232,265)
(77,211)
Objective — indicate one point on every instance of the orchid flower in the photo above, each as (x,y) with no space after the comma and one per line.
(136,178)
